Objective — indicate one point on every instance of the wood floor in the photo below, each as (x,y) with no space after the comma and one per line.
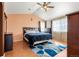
(21,49)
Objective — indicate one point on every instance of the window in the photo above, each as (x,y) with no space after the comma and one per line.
(60,25)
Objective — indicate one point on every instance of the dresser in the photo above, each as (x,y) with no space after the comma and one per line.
(8,45)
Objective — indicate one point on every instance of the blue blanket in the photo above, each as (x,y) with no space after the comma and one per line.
(33,37)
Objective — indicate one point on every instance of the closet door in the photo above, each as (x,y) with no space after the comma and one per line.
(73,34)
(1,30)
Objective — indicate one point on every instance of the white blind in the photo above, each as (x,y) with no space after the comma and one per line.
(60,25)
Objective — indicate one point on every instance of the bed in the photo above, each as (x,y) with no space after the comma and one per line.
(33,36)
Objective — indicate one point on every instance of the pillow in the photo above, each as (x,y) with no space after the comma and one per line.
(30,31)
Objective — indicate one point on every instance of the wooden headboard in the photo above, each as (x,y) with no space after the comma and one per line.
(28,28)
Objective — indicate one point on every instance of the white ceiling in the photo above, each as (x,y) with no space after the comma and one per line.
(60,9)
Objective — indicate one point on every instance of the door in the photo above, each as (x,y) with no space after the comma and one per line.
(42,26)
(1,30)
(73,35)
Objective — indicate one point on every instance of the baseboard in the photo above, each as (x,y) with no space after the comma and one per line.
(3,55)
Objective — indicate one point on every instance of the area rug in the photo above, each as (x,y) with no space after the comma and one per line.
(49,49)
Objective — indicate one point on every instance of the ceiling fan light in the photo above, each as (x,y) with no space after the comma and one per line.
(45,7)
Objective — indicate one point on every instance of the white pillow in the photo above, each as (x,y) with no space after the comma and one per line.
(30,31)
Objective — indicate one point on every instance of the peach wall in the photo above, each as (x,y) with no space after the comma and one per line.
(16,22)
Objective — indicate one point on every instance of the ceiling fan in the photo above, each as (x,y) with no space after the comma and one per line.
(45,5)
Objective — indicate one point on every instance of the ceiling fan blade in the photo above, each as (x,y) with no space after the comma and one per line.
(48,3)
(50,6)
(39,4)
